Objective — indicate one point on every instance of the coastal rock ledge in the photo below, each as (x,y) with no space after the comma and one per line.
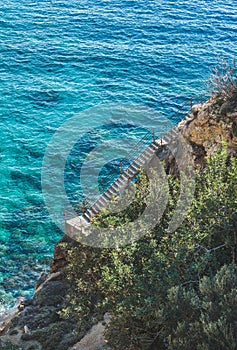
(36,323)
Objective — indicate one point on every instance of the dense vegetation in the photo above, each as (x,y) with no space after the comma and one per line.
(167,290)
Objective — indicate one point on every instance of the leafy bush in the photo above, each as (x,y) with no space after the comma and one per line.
(8,346)
(167,291)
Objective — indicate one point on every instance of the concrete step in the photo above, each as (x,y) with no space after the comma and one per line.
(96,207)
(105,194)
(114,188)
(93,211)
(120,181)
(155,146)
(124,177)
(131,171)
(144,156)
(148,151)
(110,191)
(151,149)
(117,184)
(86,216)
(103,200)
(138,163)
(171,135)
(133,167)
(100,202)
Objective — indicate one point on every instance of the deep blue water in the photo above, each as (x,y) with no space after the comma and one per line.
(60,57)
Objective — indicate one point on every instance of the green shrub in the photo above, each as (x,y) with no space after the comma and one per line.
(167,290)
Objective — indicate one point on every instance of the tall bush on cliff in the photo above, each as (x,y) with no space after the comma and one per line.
(168,291)
(223,80)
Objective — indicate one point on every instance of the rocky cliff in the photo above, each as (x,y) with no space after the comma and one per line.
(36,324)
(209,124)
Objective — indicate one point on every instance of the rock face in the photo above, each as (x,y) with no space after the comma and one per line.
(37,324)
(209,124)
(94,339)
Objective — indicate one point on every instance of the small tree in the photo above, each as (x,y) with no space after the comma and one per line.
(223,80)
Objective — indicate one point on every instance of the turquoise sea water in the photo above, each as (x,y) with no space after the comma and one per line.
(58,58)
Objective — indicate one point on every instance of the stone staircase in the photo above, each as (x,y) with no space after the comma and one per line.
(78,222)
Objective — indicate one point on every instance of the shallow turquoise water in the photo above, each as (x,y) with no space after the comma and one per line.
(59,58)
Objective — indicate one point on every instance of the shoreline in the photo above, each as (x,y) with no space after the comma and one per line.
(7,316)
